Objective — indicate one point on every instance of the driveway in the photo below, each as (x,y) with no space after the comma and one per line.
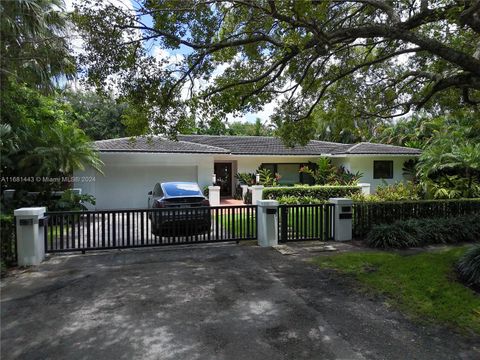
(205,302)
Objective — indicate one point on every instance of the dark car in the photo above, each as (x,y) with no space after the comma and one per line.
(183,209)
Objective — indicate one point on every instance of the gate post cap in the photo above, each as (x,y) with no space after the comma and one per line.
(340,201)
(257,186)
(265,203)
(213,187)
(32,211)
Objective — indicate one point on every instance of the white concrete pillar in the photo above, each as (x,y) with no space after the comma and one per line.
(30,237)
(365,188)
(244,190)
(267,226)
(257,193)
(342,218)
(214,195)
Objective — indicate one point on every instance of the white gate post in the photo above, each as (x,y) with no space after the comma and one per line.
(30,237)
(342,219)
(214,195)
(267,217)
(257,193)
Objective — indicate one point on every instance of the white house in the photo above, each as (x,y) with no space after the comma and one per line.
(134,166)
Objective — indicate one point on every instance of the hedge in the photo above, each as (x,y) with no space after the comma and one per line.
(368,214)
(8,250)
(422,232)
(319,192)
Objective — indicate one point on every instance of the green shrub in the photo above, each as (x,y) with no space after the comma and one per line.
(246,178)
(317,192)
(368,214)
(7,242)
(468,266)
(390,236)
(324,172)
(422,232)
(247,199)
(295,200)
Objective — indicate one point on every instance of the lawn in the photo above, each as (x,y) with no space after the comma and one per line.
(422,285)
(238,225)
(307,223)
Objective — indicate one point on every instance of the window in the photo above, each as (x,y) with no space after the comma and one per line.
(289,173)
(383,169)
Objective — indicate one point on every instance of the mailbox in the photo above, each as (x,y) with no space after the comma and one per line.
(25,222)
(271,211)
(343,218)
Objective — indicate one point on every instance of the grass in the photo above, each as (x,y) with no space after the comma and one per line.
(424,285)
(240,221)
(307,222)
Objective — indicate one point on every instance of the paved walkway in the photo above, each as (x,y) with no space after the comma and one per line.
(205,302)
(230,202)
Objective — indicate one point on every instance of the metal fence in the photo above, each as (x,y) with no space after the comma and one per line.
(306,222)
(114,229)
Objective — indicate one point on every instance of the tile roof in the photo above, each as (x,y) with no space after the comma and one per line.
(244,145)
(371,148)
(155,144)
(261,145)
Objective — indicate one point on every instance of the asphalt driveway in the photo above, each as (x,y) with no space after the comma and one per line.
(205,302)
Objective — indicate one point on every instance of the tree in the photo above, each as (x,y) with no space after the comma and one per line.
(390,57)
(33,44)
(420,131)
(246,128)
(40,139)
(449,166)
(100,117)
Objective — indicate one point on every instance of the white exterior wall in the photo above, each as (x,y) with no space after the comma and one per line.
(364,164)
(128,177)
(250,163)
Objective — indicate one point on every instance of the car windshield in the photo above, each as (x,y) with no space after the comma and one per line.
(181,189)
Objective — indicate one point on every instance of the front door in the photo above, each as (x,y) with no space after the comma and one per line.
(223,173)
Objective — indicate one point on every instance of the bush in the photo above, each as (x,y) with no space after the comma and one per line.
(317,192)
(390,236)
(66,200)
(8,251)
(421,232)
(468,266)
(368,214)
(396,192)
(296,200)
(247,199)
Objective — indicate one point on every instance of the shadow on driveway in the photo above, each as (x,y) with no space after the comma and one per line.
(204,302)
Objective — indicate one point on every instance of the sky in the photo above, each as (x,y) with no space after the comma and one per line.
(172,57)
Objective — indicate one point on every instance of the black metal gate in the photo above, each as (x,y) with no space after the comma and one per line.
(116,229)
(306,222)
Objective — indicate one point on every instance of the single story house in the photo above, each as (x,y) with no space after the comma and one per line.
(133,166)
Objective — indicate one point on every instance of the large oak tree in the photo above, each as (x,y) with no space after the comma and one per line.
(380,58)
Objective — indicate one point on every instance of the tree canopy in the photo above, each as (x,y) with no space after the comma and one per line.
(101,117)
(384,58)
(33,44)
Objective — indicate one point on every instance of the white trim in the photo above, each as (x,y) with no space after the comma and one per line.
(373,155)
